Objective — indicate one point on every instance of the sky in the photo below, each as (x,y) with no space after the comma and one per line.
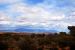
(37,14)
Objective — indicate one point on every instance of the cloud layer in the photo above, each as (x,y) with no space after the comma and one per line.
(48,14)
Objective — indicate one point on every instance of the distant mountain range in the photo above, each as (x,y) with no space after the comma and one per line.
(25,29)
(33,30)
(28,30)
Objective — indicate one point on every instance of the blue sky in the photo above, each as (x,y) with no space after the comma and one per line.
(39,14)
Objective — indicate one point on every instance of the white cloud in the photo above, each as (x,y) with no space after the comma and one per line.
(9,1)
(41,15)
(35,13)
(5,19)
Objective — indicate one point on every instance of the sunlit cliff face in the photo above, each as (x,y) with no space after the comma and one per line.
(38,14)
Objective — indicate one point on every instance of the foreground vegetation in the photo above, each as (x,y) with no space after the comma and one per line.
(37,41)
